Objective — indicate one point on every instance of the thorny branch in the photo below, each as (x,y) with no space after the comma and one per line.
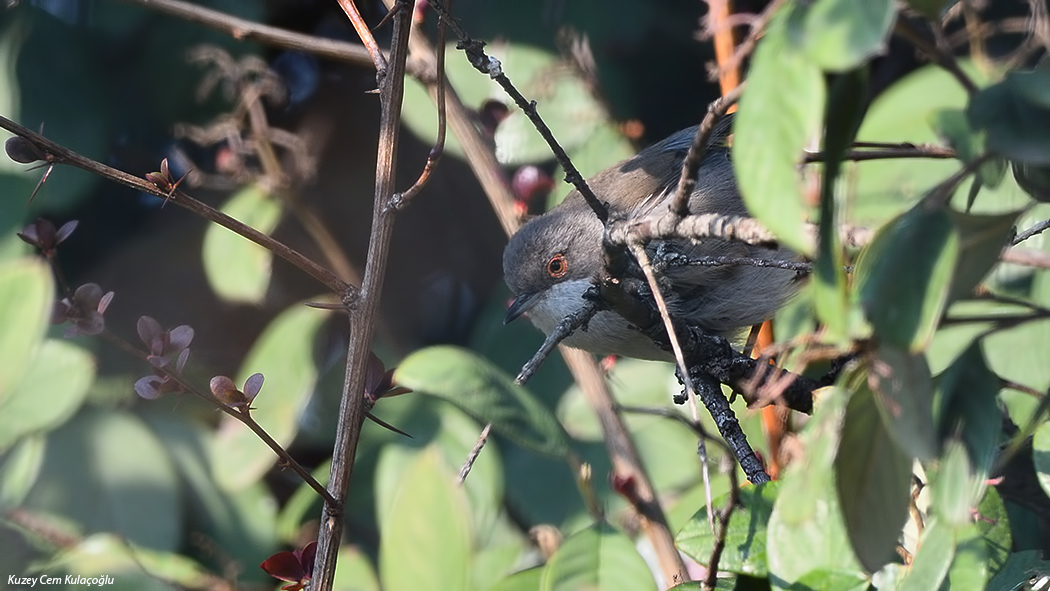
(59,154)
(363,314)
(486,64)
(242,417)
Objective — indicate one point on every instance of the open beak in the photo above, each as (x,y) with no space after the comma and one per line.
(520,305)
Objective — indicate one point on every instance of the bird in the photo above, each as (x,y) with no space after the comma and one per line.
(554,258)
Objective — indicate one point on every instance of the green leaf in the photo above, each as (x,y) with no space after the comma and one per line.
(843,118)
(526,580)
(953,485)
(599,557)
(1041,455)
(26,298)
(839,35)
(994,525)
(242,524)
(563,98)
(902,113)
(129,565)
(969,569)
(1015,114)
(484,392)
(903,276)
(667,447)
(746,535)
(353,571)
(443,426)
(873,479)
(305,504)
(284,354)
(51,390)
(830,580)
(904,395)
(497,558)
(237,268)
(724,583)
(952,126)
(745,540)
(109,473)
(806,530)
(967,404)
(981,241)
(1019,354)
(1022,567)
(427,538)
(19,469)
(778,113)
(931,562)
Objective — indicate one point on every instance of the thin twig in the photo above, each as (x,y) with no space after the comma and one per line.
(285,458)
(1032,231)
(719,23)
(61,154)
(887,152)
(245,30)
(650,276)
(474,453)
(585,371)
(478,151)
(718,261)
(758,27)
(365,34)
(666,224)
(711,578)
(399,200)
(272,167)
(363,314)
(626,462)
(698,149)
(1012,385)
(1027,257)
(936,54)
(491,66)
(567,326)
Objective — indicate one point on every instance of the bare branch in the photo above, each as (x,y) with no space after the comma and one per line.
(491,66)
(352,406)
(244,418)
(887,151)
(62,155)
(400,200)
(567,326)
(365,34)
(698,149)
(245,30)
(474,453)
(1034,230)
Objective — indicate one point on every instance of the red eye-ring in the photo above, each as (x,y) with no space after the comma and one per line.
(557,267)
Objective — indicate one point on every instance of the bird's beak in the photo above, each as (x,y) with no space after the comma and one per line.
(520,305)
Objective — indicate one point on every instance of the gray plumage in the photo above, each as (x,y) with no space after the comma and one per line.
(722,299)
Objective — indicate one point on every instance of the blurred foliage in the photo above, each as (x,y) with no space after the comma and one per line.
(949,388)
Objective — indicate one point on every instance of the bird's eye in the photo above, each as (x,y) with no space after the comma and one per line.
(557,267)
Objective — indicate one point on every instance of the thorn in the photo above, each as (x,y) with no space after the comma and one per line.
(387,425)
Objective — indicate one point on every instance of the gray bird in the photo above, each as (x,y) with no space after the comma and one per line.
(553,259)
